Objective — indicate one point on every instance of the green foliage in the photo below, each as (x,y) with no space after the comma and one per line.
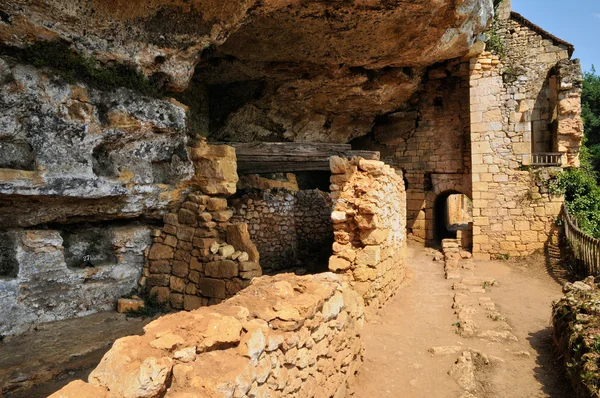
(494,43)
(74,66)
(582,197)
(152,306)
(590,101)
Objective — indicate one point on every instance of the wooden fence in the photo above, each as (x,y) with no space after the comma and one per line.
(586,249)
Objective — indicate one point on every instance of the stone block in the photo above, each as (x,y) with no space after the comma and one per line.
(374,237)
(171,218)
(204,217)
(374,167)
(180,268)
(128,304)
(248,266)
(221,269)
(161,293)
(338,165)
(185,234)
(160,252)
(157,280)
(338,217)
(160,267)
(203,243)
(338,264)
(239,237)
(216,168)
(522,225)
(251,274)
(368,256)
(176,300)
(222,216)
(170,240)
(191,303)
(187,217)
(226,251)
(214,288)
(177,284)
(216,204)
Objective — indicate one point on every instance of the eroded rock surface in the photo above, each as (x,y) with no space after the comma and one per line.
(316,71)
(70,152)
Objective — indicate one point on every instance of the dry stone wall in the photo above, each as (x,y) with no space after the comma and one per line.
(292,229)
(200,257)
(369,227)
(431,144)
(284,336)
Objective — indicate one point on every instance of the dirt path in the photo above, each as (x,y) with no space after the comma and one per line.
(39,362)
(495,342)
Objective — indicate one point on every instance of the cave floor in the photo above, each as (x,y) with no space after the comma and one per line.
(412,345)
(41,361)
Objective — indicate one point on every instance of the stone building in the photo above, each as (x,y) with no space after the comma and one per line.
(496,127)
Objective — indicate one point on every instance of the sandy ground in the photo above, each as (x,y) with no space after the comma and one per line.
(39,362)
(420,316)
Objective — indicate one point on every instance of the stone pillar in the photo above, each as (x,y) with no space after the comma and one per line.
(503,10)
(570,126)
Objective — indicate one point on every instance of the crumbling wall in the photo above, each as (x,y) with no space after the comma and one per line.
(292,229)
(200,257)
(430,143)
(282,336)
(524,100)
(369,227)
(513,207)
(568,112)
(45,288)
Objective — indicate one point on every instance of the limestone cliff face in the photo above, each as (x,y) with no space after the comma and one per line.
(71,153)
(298,71)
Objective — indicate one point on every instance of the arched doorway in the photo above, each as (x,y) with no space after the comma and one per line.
(452,212)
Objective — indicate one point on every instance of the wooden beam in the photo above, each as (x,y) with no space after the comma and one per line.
(285,157)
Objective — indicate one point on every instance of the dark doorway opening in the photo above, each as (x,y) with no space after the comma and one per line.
(452,212)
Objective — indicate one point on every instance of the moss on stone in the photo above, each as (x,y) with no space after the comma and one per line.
(75,66)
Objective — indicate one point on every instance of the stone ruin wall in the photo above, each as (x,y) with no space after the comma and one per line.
(291,229)
(430,144)
(282,336)
(369,227)
(200,257)
(511,103)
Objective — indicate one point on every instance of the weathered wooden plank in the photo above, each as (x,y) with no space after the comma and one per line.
(284,157)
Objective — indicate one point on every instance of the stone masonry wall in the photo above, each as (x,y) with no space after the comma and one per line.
(369,227)
(283,336)
(513,212)
(199,257)
(292,229)
(434,150)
